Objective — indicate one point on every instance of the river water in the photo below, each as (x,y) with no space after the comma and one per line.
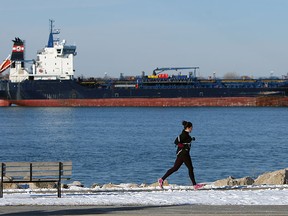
(135,145)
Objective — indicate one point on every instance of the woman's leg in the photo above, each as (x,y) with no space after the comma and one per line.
(178,162)
(188,162)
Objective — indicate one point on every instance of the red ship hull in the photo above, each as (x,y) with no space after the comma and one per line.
(154,102)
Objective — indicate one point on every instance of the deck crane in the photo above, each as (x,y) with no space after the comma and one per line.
(160,70)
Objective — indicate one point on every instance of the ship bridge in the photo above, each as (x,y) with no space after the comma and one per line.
(55,61)
(67,50)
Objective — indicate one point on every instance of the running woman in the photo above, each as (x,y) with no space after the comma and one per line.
(183,142)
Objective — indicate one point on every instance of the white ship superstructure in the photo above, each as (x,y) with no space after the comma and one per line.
(54,62)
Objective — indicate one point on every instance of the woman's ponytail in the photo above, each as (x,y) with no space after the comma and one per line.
(187,124)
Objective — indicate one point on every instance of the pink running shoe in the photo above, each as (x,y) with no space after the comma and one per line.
(198,186)
(160,181)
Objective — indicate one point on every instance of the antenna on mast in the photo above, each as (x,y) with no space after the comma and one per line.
(52,32)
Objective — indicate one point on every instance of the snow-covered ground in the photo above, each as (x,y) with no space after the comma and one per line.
(124,194)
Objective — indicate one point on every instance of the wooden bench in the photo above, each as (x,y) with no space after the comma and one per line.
(32,172)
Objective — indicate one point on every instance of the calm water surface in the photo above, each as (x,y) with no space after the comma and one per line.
(125,145)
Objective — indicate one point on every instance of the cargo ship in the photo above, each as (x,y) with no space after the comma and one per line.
(50,81)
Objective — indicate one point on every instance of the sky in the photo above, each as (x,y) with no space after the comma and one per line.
(243,37)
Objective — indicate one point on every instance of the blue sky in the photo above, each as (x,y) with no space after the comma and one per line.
(246,37)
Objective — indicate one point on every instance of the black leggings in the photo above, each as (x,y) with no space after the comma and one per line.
(179,161)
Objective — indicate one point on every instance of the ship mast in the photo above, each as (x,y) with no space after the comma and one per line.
(52,32)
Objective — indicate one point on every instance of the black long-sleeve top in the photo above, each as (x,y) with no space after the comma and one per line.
(185,139)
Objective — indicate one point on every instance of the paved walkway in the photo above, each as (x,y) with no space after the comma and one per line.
(201,210)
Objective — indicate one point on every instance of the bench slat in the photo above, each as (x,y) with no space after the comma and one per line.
(41,173)
(35,180)
(16,163)
(14,174)
(39,168)
(65,163)
(14,169)
(36,168)
(51,173)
